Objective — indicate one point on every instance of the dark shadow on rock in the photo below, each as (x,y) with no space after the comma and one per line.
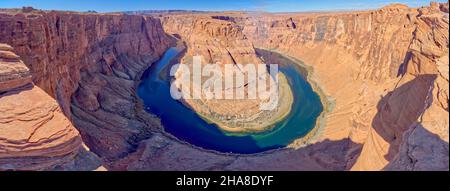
(399,110)
(163,153)
(326,155)
(421,150)
(402,69)
(84,160)
(104,107)
(16,90)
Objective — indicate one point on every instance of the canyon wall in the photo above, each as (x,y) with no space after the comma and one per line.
(424,144)
(34,133)
(384,74)
(90,64)
(386,71)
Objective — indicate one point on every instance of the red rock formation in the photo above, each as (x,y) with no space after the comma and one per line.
(14,72)
(90,64)
(58,45)
(396,62)
(386,72)
(34,133)
(424,145)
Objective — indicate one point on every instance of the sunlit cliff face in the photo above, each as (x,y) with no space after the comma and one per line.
(384,73)
(375,54)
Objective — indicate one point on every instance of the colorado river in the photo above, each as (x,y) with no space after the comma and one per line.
(187,126)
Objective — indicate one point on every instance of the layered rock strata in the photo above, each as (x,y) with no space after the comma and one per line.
(90,63)
(34,133)
(14,72)
(386,71)
(220,43)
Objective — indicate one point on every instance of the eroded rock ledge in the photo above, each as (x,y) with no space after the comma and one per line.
(34,133)
(90,64)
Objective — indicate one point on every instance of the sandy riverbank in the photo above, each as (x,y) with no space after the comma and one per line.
(328,102)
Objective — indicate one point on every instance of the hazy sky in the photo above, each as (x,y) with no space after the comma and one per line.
(207,5)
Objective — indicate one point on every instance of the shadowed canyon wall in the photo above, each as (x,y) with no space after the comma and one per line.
(90,63)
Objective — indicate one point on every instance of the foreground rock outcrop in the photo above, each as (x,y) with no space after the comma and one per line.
(14,72)
(34,133)
(424,144)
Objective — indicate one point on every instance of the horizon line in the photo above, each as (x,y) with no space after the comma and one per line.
(218,11)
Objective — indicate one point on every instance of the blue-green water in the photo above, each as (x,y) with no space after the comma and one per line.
(186,125)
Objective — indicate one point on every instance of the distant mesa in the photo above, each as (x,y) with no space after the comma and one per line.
(28,9)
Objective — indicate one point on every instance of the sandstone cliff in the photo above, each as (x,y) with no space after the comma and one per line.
(424,145)
(387,71)
(34,133)
(384,71)
(220,42)
(90,63)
